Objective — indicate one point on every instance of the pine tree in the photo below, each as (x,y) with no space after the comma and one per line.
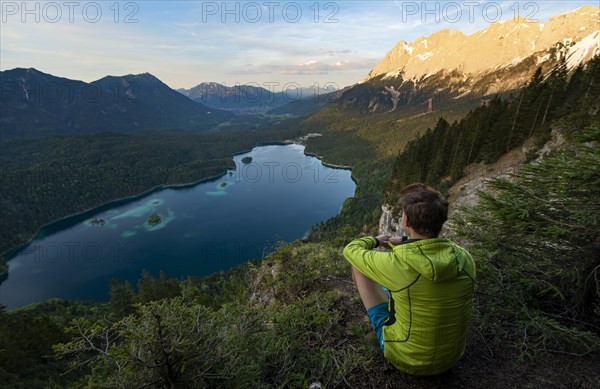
(122,298)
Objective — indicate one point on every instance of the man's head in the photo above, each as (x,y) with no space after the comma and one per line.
(425,209)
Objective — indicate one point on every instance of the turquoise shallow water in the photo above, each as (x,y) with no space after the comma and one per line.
(204,228)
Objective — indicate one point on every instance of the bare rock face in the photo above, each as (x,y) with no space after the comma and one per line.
(576,34)
(389,223)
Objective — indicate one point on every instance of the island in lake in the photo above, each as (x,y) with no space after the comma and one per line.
(97,222)
(247,160)
(154,219)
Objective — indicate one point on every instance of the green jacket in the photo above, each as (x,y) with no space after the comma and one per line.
(431,283)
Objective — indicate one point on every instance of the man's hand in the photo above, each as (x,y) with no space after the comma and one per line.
(383,240)
(395,240)
(386,242)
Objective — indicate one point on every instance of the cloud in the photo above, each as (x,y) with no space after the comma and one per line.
(310,67)
(339,52)
(317,67)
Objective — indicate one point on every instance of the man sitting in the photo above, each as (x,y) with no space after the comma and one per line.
(422,327)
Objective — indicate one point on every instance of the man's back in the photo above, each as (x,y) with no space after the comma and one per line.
(432,314)
(431,283)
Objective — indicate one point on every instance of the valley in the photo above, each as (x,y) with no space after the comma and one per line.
(128,162)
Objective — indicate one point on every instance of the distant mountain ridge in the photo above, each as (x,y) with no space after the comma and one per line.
(309,106)
(248,97)
(221,96)
(34,103)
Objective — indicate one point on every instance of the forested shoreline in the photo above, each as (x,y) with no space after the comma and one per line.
(47,179)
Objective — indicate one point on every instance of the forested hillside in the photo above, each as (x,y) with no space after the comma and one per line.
(490,131)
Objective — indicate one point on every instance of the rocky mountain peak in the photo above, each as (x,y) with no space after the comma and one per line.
(499,45)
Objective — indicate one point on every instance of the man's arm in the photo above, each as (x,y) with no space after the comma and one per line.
(384,268)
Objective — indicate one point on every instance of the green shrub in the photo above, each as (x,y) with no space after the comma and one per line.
(537,241)
(298,336)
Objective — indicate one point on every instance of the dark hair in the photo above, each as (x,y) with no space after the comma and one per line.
(426,208)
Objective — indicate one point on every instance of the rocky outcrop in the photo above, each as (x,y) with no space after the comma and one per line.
(389,223)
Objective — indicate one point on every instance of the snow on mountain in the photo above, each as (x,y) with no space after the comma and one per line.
(575,34)
(583,49)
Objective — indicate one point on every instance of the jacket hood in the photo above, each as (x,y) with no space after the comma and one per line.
(437,260)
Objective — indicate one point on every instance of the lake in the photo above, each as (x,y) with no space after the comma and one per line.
(203,228)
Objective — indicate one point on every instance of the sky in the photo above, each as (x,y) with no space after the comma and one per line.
(273,44)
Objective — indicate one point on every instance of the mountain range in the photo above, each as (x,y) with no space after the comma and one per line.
(221,96)
(448,65)
(248,98)
(500,45)
(37,104)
